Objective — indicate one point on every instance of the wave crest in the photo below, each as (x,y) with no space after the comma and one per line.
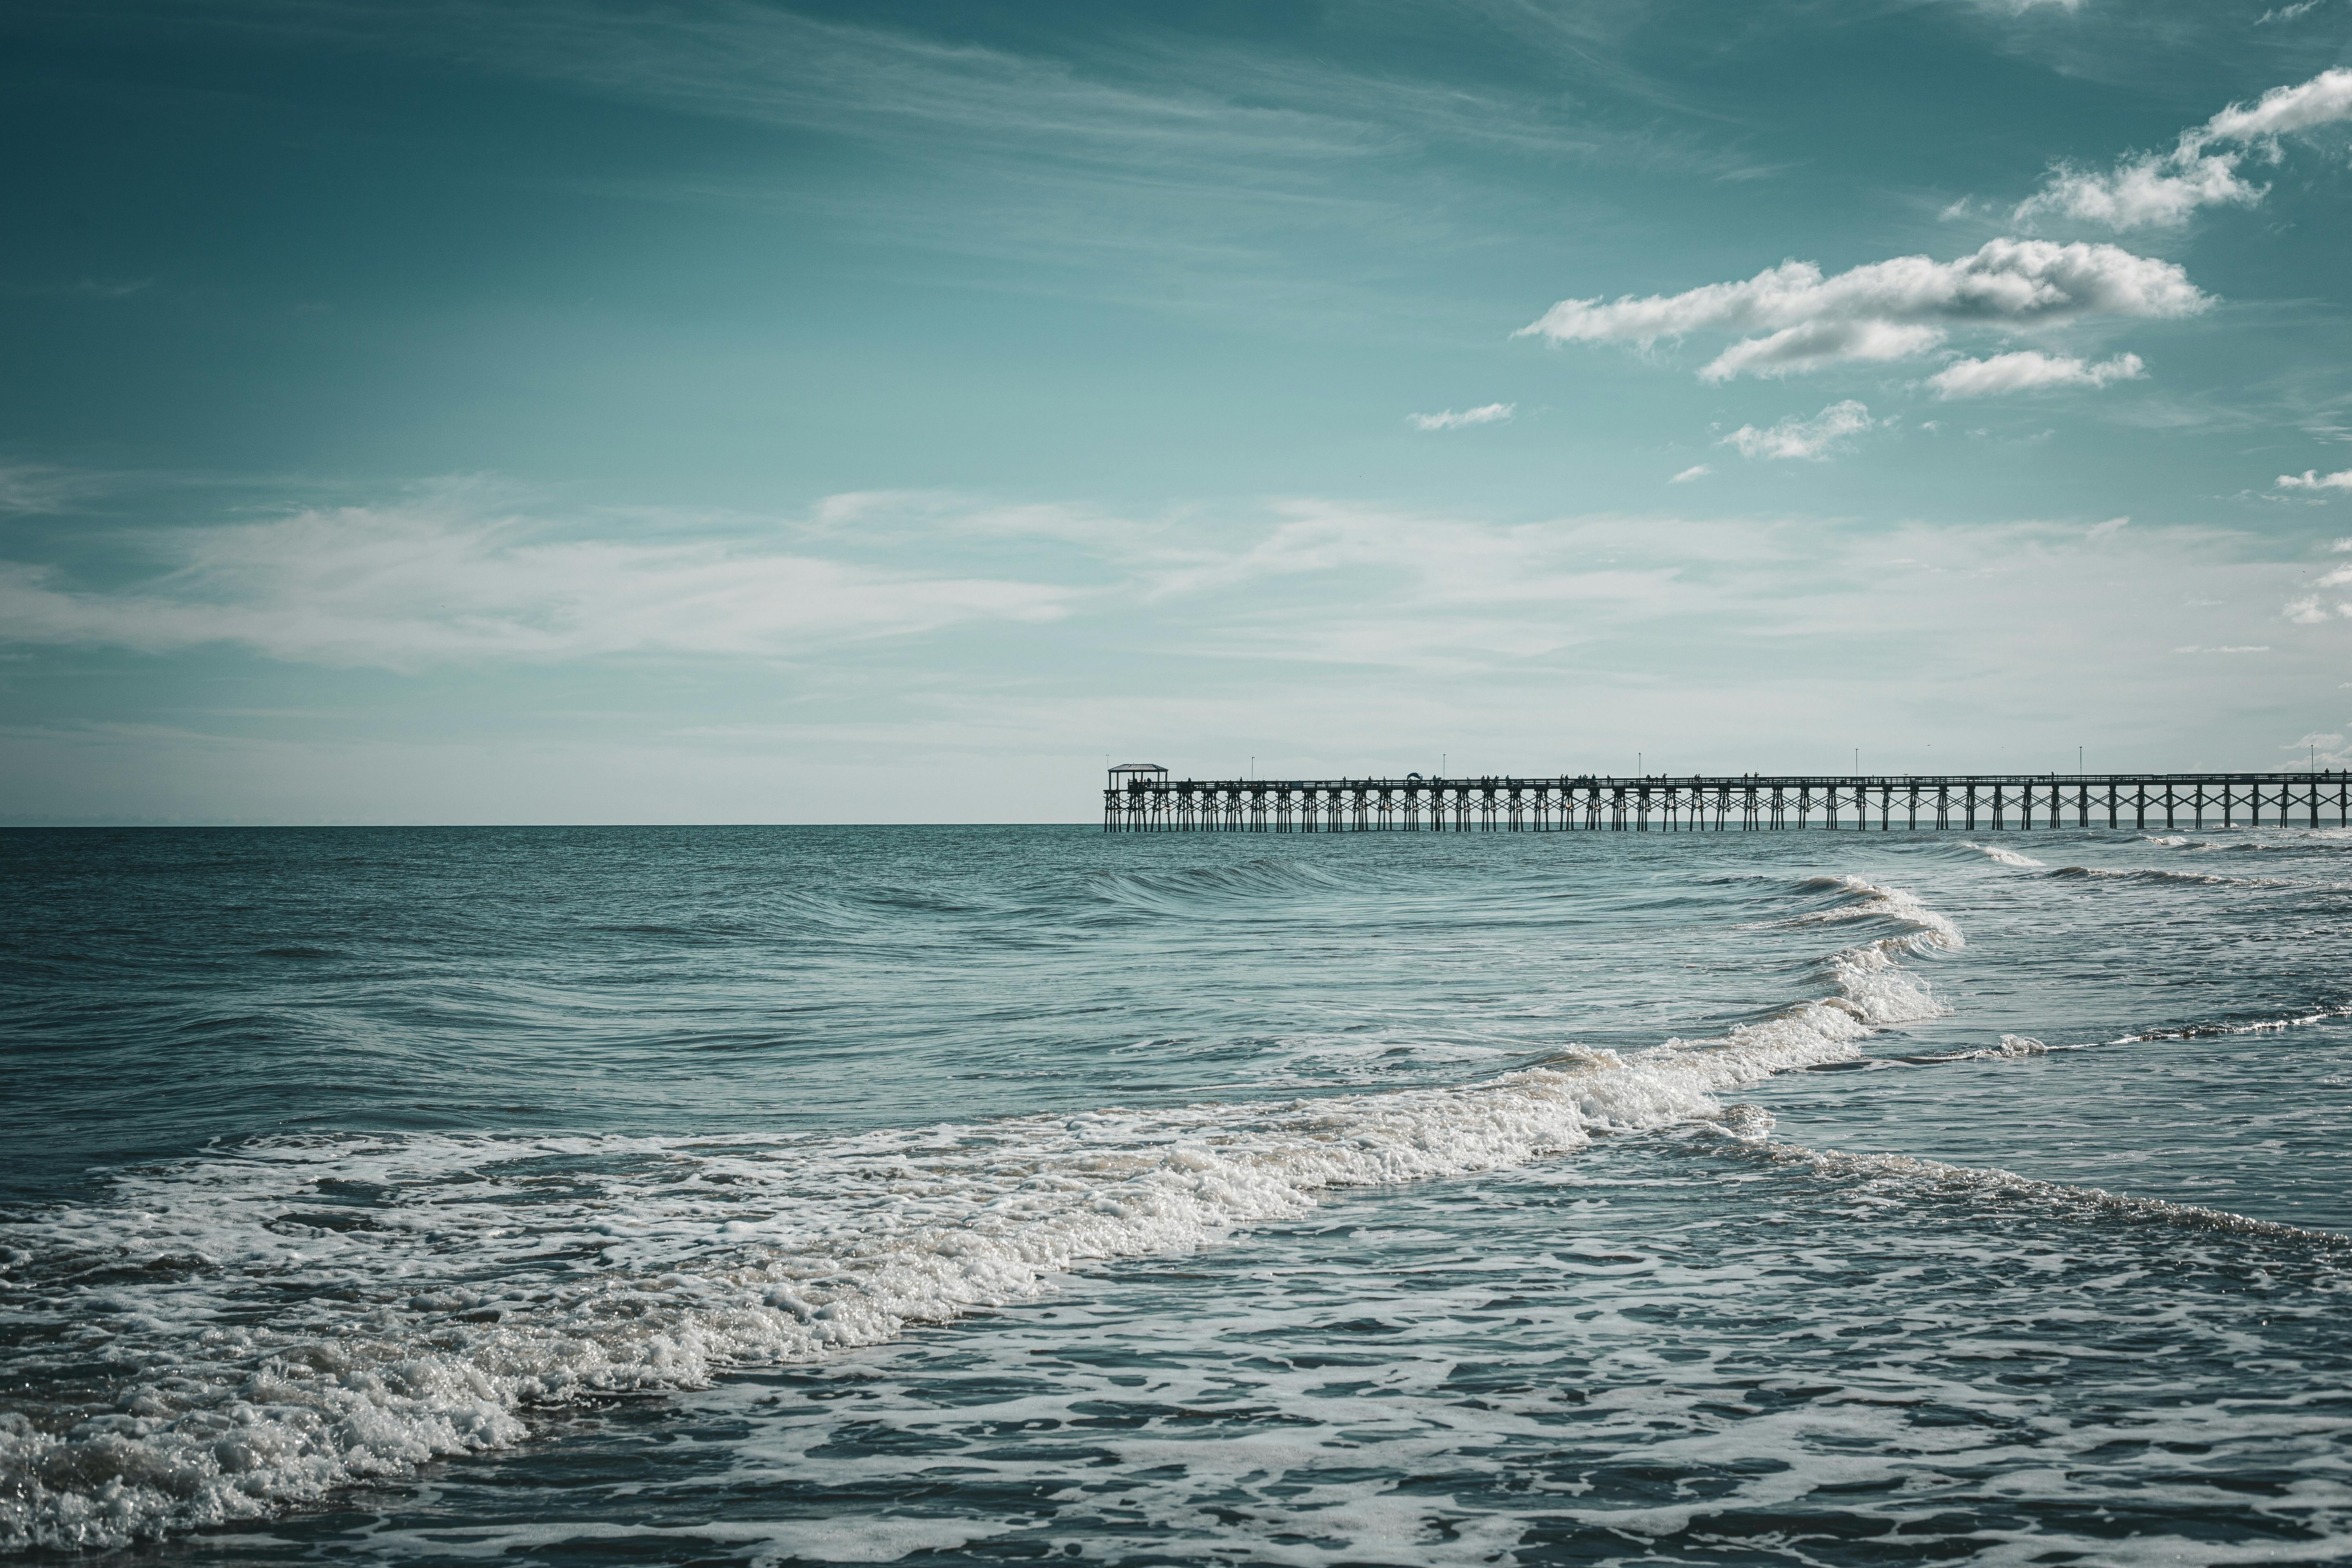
(2004,857)
(1194,889)
(253,1331)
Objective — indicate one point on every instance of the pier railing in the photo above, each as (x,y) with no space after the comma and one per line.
(1969,802)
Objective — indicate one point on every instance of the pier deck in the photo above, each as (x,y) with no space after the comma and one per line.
(1139,802)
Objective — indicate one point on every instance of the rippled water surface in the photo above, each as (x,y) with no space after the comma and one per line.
(956,1194)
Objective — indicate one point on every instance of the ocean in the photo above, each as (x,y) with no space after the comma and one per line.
(973,1194)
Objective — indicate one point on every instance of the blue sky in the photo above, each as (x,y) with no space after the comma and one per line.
(495,413)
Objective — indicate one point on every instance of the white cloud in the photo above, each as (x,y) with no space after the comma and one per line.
(2324,99)
(1494,574)
(2029,370)
(2313,479)
(1695,471)
(1884,310)
(1492,413)
(2200,170)
(2288,13)
(710,677)
(2112,526)
(404,587)
(37,487)
(2193,647)
(1814,439)
(2321,749)
(1815,343)
(2151,189)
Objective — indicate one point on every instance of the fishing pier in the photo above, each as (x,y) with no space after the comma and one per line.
(1140,797)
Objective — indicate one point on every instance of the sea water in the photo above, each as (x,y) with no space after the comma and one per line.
(969,1195)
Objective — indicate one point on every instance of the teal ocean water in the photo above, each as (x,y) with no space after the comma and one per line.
(962,1195)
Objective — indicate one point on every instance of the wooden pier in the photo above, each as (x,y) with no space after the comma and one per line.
(1141,799)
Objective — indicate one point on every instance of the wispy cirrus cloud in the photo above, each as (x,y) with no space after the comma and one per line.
(1489,414)
(412,585)
(753,647)
(2204,168)
(32,487)
(1133,157)
(1830,431)
(2030,371)
(1884,310)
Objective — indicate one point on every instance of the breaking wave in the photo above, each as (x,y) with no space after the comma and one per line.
(2245,1027)
(2011,1047)
(2005,856)
(2159,877)
(229,1336)
(1750,1128)
(1926,930)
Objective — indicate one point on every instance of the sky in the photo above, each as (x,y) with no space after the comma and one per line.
(458,412)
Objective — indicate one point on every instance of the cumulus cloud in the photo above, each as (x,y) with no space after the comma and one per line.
(1883,310)
(1492,413)
(2203,168)
(404,587)
(1831,430)
(2308,611)
(2321,749)
(2324,99)
(2028,371)
(2313,479)
(1695,471)
(2149,190)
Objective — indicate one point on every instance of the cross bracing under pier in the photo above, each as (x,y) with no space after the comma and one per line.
(1142,799)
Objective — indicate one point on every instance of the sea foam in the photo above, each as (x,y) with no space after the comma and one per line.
(2005,856)
(241,1334)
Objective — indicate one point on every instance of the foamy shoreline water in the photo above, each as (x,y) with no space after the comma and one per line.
(241,1334)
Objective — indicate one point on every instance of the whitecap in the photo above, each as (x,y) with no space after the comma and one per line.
(272,1323)
(2005,856)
